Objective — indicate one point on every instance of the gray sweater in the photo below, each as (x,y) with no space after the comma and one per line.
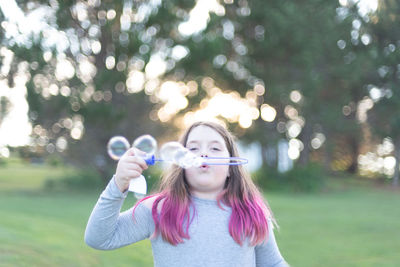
(210,243)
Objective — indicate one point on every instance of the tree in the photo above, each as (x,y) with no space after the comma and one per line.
(272,50)
(282,58)
(385,115)
(88,68)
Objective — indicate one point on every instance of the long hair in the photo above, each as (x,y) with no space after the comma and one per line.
(250,211)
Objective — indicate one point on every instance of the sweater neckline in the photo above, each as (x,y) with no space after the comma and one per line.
(204,200)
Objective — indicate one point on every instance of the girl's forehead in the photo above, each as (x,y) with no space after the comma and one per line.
(204,133)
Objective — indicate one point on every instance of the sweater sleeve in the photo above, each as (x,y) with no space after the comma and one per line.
(108,229)
(267,253)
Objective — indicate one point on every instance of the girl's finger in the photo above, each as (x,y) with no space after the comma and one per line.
(133,174)
(130,152)
(133,151)
(139,152)
(137,160)
(134,168)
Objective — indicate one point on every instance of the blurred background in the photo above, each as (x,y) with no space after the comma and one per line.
(309,88)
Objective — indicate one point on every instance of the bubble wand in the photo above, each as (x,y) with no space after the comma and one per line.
(118,145)
(173,152)
(176,153)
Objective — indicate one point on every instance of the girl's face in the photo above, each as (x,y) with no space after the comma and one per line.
(207,181)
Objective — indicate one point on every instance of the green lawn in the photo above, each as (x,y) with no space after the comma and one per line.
(352,228)
(344,227)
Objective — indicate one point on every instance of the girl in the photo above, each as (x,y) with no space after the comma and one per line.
(202,216)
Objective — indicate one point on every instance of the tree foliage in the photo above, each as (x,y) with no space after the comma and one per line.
(100,68)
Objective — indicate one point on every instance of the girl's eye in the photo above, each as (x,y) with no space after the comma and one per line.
(193,149)
(216,149)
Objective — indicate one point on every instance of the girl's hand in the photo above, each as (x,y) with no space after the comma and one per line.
(130,166)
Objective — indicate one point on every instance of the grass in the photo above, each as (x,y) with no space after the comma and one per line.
(351,228)
(39,228)
(350,225)
(47,230)
(18,175)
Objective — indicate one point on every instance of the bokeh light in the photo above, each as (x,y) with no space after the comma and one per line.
(268,113)
(295,96)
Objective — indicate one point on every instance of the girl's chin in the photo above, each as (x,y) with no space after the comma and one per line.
(204,182)
(207,183)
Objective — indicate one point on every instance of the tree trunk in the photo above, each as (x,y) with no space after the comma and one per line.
(354,146)
(306,139)
(328,156)
(263,155)
(327,151)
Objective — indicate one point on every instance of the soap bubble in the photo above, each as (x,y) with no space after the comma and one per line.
(168,150)
(198,162)
(117,146)
(184,158)
(146,143)
(178,154)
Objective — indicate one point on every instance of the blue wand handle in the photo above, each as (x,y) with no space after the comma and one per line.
(151,159)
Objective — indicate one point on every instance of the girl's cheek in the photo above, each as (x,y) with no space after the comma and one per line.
(223,170)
